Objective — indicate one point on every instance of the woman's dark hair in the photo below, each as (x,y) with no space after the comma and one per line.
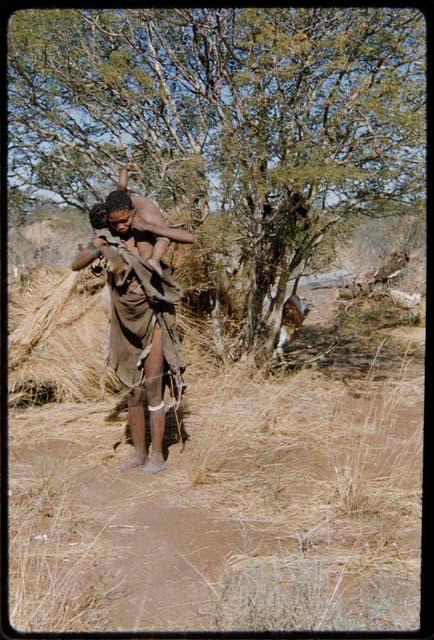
(98,216)
(117,201)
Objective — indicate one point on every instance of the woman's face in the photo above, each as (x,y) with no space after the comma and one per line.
(120,221)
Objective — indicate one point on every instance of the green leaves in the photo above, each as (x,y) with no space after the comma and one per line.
(267,98)
(301,176)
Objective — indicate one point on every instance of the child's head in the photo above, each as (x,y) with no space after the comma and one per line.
(98,216)
(120,212)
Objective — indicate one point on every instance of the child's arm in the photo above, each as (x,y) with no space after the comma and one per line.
(123,175)
(148,218)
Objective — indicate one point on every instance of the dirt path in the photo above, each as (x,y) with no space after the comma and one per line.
(168,557)
(157,562)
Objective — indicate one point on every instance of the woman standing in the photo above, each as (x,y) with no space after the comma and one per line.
(144,347)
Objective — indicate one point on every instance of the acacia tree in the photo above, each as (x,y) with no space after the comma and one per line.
(328,123)
(87,90)
(303,118)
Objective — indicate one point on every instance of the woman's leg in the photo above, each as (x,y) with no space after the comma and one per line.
(154,365)
(136,421)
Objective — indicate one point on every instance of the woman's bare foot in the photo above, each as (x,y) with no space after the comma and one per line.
(156,266)
(135,461)
(154,463)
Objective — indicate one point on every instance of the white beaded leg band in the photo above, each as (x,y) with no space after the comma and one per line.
(157,408)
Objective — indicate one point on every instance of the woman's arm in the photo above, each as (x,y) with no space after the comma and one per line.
(88,254)
(94,250)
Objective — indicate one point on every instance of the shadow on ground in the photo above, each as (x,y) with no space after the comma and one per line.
(174,432)
(355,344)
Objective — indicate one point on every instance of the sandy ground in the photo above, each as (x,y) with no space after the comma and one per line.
(162,560)
(156,545)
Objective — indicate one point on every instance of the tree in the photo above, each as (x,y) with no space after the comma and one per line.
(87,90)
(300,118)
(329,124)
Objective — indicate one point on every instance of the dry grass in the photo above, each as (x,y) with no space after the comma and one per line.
(190,267)
(58,335)
(294,592)
(277,594)
(320,468)
(57,546)
(325,472)
(49,561)
(56,346)
(47,314)
(330,486)
(68,365)
(297,421)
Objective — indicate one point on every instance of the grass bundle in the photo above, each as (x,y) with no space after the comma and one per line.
(69,365)
(56,347)
(43,319)
(190,268)
(59,337)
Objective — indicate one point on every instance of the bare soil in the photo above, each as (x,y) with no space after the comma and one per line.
(160,559)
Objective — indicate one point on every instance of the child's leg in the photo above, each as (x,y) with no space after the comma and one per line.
(160,248)
(155,265)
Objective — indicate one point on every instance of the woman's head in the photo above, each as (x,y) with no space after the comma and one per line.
(120,212)
(98,216)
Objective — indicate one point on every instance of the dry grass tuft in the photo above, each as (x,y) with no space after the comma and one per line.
(279,594)
(294,592)
(50,563)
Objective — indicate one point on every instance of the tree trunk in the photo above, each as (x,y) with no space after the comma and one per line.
(284,242)
(252,309)
(217,326)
